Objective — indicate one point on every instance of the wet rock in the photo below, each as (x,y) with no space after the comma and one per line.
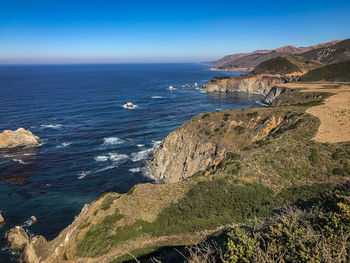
(18,138)
(17,238)
(2,220)
(33,219)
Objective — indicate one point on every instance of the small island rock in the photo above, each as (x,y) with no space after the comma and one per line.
(171,88)
(18,138)
(129,105)
(33,219)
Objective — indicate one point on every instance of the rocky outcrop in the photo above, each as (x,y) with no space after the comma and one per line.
(260,84)
(205,140)
(30,247)
(274,93)
(17,238)
(2,220)
(18,138)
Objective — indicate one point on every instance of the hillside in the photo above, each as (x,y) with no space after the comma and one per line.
(252,59)
(339,72)
(285,65)
(265,160)
(330,54)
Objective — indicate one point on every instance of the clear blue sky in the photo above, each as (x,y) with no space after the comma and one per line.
(62,31)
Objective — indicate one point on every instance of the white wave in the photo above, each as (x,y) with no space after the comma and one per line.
(51,125)
(156,97)
(135,170)
(62,145)
(112,141)
(139,156)
(19,161)
(114,157)
(101,158)
(117,157)
(156,144)
(83,174)
(27,223)
(140,145)
(129,108)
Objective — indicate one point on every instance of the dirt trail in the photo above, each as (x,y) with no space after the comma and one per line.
(334,114)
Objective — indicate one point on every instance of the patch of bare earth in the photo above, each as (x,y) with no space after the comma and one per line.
(334,114)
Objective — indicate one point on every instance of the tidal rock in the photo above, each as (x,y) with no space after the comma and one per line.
(171,88)
(17,238)
(18,138)
(129,105)
(33,219)
(2,220)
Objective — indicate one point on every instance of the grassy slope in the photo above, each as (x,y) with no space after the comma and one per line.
(339,72)
(247,184)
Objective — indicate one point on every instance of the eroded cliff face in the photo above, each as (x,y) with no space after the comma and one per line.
(205,140)
(260,84)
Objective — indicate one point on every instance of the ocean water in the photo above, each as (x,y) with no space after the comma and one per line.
(92,143)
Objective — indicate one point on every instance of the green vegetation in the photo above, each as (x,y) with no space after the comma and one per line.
(313,156)
(335,72)
(100,238)
(205,115)
(252,114)
(294,235)
(214,79)
(279,65)
(239,129)
(106,204)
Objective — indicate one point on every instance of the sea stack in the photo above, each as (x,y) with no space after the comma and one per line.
(129,105)
(2,220)
(18,138)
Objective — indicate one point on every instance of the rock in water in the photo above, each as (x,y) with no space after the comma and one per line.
(129,105)
(171,88)
(33,219)
(18,138)
(17,239)
(2,220)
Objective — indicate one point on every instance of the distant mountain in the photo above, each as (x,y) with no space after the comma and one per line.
(331,54)
(247,61)
(339,72)
(286,65)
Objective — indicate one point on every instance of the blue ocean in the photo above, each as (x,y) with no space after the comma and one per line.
(92,143)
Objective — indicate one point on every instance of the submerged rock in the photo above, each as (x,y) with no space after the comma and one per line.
(2,220)
(18,138)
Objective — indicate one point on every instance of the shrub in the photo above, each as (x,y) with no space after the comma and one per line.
(313,158)
(239,129)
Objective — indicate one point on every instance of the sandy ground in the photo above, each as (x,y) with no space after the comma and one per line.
(334,114)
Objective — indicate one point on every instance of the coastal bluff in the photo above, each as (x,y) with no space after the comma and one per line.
(18,138)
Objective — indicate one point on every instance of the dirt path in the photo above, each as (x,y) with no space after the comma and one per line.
(334,114)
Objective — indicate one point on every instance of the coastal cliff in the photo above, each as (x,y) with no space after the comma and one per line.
(260,84)
(261,160)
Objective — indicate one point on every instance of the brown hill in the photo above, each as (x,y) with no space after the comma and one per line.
(252,59)
(331,54)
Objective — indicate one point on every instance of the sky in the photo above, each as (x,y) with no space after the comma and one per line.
(106,31)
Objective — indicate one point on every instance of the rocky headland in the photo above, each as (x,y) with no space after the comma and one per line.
(18,138)
(223,170)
